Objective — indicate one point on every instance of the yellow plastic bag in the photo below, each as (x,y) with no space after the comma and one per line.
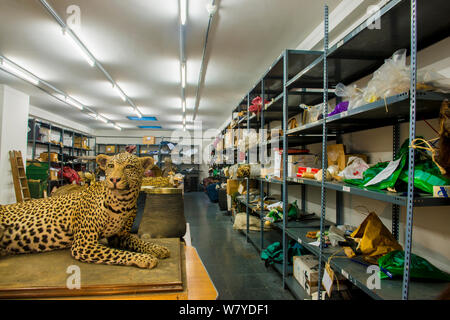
(374,239)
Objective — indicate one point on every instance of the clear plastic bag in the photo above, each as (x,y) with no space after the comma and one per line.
(352,94)
(392,78)
(428,79)
(355,168)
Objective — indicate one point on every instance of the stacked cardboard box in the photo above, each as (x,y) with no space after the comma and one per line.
(149,140)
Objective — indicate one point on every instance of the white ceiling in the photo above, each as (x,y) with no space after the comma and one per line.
(137,42)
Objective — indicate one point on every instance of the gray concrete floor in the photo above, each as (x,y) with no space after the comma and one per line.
(233,264)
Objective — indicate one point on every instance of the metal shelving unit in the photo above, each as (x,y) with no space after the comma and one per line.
(64,151)
(309,77)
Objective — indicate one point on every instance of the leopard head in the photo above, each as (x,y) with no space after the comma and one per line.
(124,171)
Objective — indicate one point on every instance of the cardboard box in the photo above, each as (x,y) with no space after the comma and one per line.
(315,295)
(306,272)
(53,156)
(80,142)
(53,174)
(110,149)
(149,140)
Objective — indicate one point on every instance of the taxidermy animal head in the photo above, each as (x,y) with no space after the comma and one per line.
(124,171)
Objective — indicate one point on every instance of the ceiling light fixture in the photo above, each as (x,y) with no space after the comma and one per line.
(102,119)
(183,11)
(74,103)
(120,92)
(93,116)
(183,75)
(8,66)
(81,48)
(90,58)
(183,105)
(117,127)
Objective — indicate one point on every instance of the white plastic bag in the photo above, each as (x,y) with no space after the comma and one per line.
(352,94)
(392,78)
(354,169)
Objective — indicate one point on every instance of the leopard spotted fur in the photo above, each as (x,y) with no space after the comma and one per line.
(80,220)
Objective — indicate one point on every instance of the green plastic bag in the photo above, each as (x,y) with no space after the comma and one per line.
(420,268)
(293,210)
(274,252)
(426,173)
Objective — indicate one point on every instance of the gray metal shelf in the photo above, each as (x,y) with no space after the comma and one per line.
(420,200)
(357,274)
(378,114)
(357,55)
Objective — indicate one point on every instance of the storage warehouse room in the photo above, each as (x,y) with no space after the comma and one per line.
(225,150)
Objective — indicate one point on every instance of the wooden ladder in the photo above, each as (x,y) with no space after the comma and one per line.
(19,177)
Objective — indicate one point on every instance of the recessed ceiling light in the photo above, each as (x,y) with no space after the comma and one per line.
(149,127)
(143,118)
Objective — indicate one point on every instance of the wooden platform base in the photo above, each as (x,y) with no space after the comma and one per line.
(181,277)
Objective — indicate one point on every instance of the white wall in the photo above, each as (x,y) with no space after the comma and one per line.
(14,107)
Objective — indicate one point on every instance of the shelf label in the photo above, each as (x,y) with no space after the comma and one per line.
(346,189)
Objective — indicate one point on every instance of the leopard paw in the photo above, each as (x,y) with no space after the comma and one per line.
(159,251)
(144,261)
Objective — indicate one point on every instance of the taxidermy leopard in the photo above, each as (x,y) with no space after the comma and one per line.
(80,220)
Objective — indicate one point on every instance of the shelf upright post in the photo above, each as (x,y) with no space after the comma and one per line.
(262,161)
(285,164)
(324,149)
(247,209)
(339,194)
(412,135)
(34,140)
(395,207)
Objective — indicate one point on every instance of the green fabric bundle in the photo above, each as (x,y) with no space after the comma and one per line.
(426,173)
(420,268)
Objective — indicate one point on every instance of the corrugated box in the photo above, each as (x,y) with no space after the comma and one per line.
(67,140)
(53,174)
(110,149)
(306,271)
(53,156)
(80,142)
(149,140)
